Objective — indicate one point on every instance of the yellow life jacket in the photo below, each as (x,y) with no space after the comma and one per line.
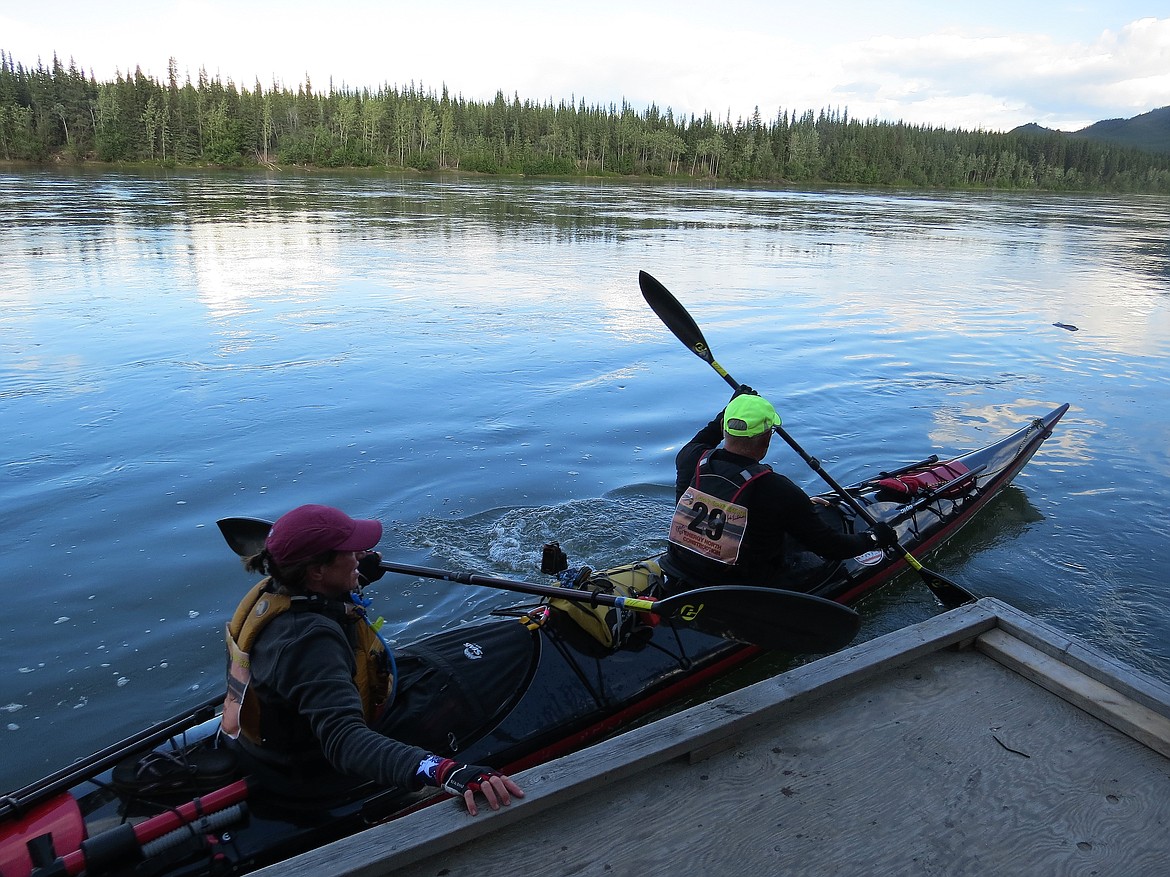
(241,709)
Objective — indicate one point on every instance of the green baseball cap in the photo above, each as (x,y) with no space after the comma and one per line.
(747,416)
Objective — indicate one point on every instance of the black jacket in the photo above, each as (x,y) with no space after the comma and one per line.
(777,508)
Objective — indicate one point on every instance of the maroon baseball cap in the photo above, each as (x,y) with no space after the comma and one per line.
(310,530)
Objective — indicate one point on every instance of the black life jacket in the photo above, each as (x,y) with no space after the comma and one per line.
(725,479)
(729,481)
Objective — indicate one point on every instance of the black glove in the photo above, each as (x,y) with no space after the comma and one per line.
(744,390)
(458,778)
(369,569)
(884,535)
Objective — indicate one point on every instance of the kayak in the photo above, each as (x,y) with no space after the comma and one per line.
(523,685)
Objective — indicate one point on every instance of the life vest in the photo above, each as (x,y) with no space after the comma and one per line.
(709,519)
(241,708)
(925,480)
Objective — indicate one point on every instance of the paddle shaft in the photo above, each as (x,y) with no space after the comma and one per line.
(767,617)
(469,578)
(124,844)
(816,466)
(683,326)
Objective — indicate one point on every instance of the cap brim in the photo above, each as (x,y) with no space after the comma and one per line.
(365,536)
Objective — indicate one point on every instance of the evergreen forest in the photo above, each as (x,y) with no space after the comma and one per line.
(58,113)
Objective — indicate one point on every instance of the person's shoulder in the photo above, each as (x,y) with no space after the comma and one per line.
(779,482)
(307,637)
(690,453)
(294,642)
(297,623)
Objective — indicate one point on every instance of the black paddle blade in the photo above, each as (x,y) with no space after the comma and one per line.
(783,620)
(245,536)
(674,316)
(950,594)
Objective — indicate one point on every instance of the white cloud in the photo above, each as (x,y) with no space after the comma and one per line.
(1001,81)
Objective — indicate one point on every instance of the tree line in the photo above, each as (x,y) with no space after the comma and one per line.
(59,113)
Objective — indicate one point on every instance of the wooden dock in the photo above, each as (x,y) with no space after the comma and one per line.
(979,742)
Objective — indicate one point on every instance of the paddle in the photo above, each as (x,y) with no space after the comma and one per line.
(679,322)
(769,618)
(104,759)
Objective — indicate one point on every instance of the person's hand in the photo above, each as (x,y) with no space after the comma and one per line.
(369,568)
(744,390)
(467,779)
(884,535)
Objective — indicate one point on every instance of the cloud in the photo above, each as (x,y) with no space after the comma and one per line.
(1006,80)
(969,77)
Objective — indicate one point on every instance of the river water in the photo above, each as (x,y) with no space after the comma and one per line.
(471,361)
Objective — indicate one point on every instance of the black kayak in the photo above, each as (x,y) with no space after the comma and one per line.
(512,690)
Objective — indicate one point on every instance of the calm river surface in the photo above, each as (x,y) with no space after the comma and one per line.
(471,361)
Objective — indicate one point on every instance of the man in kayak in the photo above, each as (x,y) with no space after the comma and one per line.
(309,677)
(734,515)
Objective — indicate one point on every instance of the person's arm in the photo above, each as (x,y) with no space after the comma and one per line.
(317,674)
(799,518)
(688,456)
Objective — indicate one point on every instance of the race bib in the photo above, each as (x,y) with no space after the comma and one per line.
(708,525)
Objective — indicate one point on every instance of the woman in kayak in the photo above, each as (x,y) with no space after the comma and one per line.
(734,514)
(309,677)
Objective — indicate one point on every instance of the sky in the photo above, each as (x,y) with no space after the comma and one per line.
(987,65)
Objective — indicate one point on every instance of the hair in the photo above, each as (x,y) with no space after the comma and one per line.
(289,579)
(748,446)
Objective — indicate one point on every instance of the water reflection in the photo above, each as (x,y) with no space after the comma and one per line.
(236,266)
(250,236)
(971,426)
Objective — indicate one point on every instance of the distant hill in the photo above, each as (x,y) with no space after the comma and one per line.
(1149,132)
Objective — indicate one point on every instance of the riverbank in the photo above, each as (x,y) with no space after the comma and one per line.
(149,168)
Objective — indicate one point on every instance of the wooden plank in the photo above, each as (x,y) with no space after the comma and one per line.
(1097,698)
(1152,693)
